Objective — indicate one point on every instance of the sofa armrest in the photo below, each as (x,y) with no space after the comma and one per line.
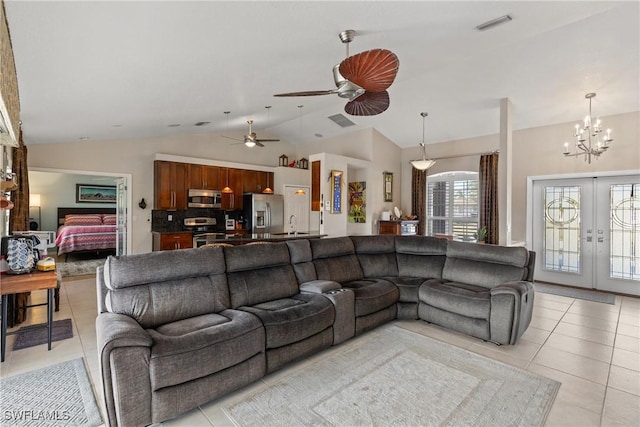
(319,286)
(511,311)
(520,289)
(124,351)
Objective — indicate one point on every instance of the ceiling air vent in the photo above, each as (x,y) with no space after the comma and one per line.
(341,120)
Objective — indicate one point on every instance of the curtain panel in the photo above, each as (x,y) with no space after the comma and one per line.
(488,189)
(419,198)
(19,215)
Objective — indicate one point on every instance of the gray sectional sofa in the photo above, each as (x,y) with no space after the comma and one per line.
(177,329)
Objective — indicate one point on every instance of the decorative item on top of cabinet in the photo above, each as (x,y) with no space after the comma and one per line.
(283,160)
(170,185)
(303,163)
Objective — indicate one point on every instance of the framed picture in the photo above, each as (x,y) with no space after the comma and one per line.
(358,202)
(388,186)
(336,191)
(86,193)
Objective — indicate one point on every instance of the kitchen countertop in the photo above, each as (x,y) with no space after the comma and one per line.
(264,237)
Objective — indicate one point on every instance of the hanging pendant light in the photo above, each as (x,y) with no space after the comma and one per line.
(268,190)
(227,189)
(424,163)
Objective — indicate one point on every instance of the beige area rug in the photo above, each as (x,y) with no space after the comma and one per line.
(394,377)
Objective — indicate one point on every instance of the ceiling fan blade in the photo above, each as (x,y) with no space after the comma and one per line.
(258,143)
(266,140)
(368,104)
(374,70)
(308,93)
(229,137)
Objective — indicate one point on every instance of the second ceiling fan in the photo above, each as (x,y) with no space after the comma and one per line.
(362,78)
(251,139)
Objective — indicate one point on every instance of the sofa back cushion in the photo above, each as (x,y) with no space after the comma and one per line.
(335,259)
(485,265)
(161,287)
(302,260)
(420,256)
(259,273)
(377,255)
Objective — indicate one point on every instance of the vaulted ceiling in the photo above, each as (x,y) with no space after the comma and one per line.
(124,69)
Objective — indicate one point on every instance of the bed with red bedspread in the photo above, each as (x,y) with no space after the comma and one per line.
(84,232)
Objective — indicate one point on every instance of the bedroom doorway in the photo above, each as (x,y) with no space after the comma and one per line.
(57,189)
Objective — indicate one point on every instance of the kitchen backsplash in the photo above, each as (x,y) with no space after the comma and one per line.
(173,220)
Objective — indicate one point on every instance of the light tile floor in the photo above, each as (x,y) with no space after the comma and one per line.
(592,348)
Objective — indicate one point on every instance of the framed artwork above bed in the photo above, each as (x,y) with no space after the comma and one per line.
(89,193)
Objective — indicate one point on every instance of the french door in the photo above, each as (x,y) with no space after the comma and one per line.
(586,232)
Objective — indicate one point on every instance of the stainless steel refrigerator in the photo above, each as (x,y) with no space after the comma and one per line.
(264,213)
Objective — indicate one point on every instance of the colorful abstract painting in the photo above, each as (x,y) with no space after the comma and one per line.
(358,202)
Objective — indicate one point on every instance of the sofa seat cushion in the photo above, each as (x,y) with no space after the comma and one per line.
(460,298)
(202,345)
(372,295)
(288,320)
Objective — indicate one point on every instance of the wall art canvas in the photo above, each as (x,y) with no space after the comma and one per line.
(358,202)
(86,193)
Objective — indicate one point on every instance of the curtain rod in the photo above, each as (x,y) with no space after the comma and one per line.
(468,155)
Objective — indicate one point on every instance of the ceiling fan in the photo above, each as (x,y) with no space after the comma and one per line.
(251,140)
(362,78)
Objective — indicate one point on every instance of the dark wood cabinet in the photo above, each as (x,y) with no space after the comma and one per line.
(249,181)
(170,185)
(315,186)
(256,181)
(404,228)
(172,241)
(172,181)
(204,177)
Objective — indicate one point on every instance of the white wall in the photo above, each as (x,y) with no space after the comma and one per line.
(536,151)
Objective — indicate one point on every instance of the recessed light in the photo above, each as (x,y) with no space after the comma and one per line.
(318,135)
(116,126)
(202,123)
(175,125)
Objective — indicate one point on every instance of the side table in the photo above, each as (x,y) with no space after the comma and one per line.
(35,281)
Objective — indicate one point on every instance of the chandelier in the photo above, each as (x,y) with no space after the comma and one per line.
(424,163)
(588,139)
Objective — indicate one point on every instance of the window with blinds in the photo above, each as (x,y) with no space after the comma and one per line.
(452,204)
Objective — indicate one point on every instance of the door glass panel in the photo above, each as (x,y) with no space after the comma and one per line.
(625,232)
(561,245)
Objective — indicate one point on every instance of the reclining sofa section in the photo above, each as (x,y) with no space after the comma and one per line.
(177,329)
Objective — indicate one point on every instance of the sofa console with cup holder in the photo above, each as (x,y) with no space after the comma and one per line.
(177,329)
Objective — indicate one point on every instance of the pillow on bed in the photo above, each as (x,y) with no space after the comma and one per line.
(72,219)
(109,219)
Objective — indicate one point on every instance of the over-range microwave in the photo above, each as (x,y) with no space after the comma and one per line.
(204,199)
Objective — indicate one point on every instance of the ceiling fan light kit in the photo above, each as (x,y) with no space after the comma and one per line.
(363,79)
(423,164)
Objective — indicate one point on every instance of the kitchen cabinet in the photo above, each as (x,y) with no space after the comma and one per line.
(235,182)
(170,185)
(232,178)
(256,181)
(204,177)
(404,228)
(172,241)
